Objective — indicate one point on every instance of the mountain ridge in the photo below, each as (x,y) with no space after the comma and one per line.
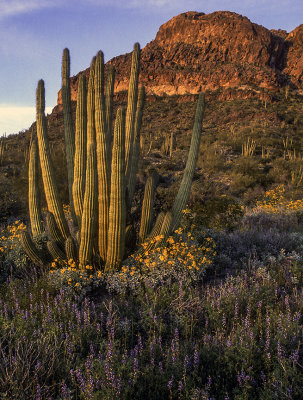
(194,51)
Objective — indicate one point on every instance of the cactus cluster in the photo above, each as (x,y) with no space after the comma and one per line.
(168,144)
(102,168)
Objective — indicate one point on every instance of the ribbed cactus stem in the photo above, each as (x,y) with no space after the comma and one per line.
(71,249)
(80,150)
(31,249)
(109,99)
(150,241)
(48,176)
(68,125)
(185,186)
(103,160)
(117,210)
(131,109)
(53,231)
(147,208)
(171,146)
(166,227)
(55,251)
(91,129)
(89,215)
(136,149)
(33,192)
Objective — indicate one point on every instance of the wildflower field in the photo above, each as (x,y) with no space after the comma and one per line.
(208,314)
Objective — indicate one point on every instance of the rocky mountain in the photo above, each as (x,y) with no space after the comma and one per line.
(222,50)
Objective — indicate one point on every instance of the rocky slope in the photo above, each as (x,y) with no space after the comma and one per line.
(196,51)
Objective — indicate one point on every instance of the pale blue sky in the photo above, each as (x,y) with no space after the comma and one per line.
(34,32)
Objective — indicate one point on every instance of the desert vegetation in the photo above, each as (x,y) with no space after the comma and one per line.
(162,268)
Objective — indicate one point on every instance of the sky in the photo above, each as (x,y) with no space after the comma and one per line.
(35,32)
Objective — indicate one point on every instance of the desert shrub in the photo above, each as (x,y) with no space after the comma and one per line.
(218,212)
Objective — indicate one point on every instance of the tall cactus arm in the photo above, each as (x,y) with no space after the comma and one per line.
(117,210)
(131,109)
(185,186)
(147,208)
(33,192)
(55,251)
(71,249)
(68,125)
(91,129)
(150,241)
(136,150)
(103,161)
(109,100)
(31,249)
(48,176)
(80,150)
(53,231)
(89,215)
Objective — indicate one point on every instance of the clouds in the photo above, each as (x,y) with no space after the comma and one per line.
(16,7)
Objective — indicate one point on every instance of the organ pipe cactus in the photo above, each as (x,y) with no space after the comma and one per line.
(109,99)
(117,209)
(184,190)
(53,232)
(106,169)
(31,249)
(147,208)
(89,216)
(33,192)
(103,161)
(131,109)
(50,186)
(68,125)
(91,129)
(136,148)
(80,150)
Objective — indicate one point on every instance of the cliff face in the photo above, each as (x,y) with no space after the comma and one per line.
(196,51)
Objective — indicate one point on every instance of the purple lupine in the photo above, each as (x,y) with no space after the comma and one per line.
(180,386)
(279,351)
(161,367)
(38,392)
(140,344)
(170,383)
(295,357)
(81,380)
(136,367)
(64,391)
(186,362)
(196,357)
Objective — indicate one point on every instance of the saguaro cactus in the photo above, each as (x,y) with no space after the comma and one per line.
(50,187)
(33,193)
(68,126)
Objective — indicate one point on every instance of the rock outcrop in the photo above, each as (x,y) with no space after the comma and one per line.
(196,51)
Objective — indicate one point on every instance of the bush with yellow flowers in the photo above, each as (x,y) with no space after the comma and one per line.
(73,279)
(11,252)
(180,252)
(275,202)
